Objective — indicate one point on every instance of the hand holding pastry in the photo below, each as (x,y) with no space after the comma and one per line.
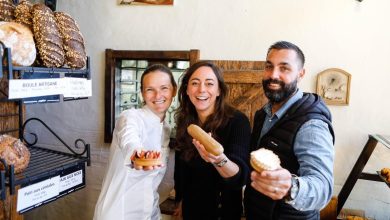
(269,178)
(146,159)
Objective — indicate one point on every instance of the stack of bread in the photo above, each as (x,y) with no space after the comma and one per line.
(57,36)
(14,152)
(7,10)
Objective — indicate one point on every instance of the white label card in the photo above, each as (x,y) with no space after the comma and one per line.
(77,87)
(26,88)
(71,180)
(37,193)
(67,86)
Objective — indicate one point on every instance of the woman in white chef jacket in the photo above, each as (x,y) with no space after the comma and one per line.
(128,192)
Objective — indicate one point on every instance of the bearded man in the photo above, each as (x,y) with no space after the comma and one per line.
(297,127)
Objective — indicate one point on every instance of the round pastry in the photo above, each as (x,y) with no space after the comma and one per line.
(264,159)
(146,158)
(385,172)
(14,152)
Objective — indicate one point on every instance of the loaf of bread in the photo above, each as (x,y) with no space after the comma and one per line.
(14,152)
(20,39)
(23,13)
(7,10)
(75,56)
(209,143)
(47,36)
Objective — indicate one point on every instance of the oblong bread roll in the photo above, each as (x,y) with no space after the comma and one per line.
(147,162)
(210,144)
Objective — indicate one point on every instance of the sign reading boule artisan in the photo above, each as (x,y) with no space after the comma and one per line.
(69,87)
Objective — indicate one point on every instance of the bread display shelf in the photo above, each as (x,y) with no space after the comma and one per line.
(51,173)
(47,167)
(10,72)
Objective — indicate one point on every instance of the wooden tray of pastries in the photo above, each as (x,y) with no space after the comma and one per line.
(384,174)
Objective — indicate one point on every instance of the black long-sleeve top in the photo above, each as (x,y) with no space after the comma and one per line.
(203,192)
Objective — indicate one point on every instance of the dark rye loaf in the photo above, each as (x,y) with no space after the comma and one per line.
(7,10)
(47,36)
(23,13)
(75,56)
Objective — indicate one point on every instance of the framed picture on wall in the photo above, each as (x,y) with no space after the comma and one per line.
(146,2)
(333,85)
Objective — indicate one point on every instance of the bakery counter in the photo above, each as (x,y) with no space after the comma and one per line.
(357,170)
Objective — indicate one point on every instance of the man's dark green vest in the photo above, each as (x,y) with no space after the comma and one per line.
(280,139)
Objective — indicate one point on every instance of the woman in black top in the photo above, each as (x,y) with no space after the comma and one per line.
(208,186)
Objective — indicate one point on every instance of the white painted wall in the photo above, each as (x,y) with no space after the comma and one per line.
(344,34)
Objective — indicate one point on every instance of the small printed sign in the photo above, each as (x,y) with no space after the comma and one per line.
(67,86)
(37,193)
(77,87)
(26,88)
(48,190)
(71,180)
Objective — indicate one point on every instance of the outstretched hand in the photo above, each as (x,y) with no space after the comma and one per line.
(143,167)
(274,184)
(147,167)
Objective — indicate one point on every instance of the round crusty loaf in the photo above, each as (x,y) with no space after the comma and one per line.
(14,152)
(20,39)
(75,56)
(47,36)
(23,13)
(7,10)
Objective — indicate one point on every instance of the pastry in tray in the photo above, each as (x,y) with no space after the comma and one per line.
(385,173)
(14,152)
(146,158)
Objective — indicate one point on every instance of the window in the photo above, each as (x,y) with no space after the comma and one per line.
(123,74)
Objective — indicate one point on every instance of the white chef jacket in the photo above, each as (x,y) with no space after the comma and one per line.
(127,193)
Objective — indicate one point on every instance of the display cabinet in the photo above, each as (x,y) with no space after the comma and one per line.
(52,172)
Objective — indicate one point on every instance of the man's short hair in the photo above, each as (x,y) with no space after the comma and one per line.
(287,45)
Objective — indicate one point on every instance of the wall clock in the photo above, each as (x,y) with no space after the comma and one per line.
(333,85)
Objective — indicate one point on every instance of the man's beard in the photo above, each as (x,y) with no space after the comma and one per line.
(280,95)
